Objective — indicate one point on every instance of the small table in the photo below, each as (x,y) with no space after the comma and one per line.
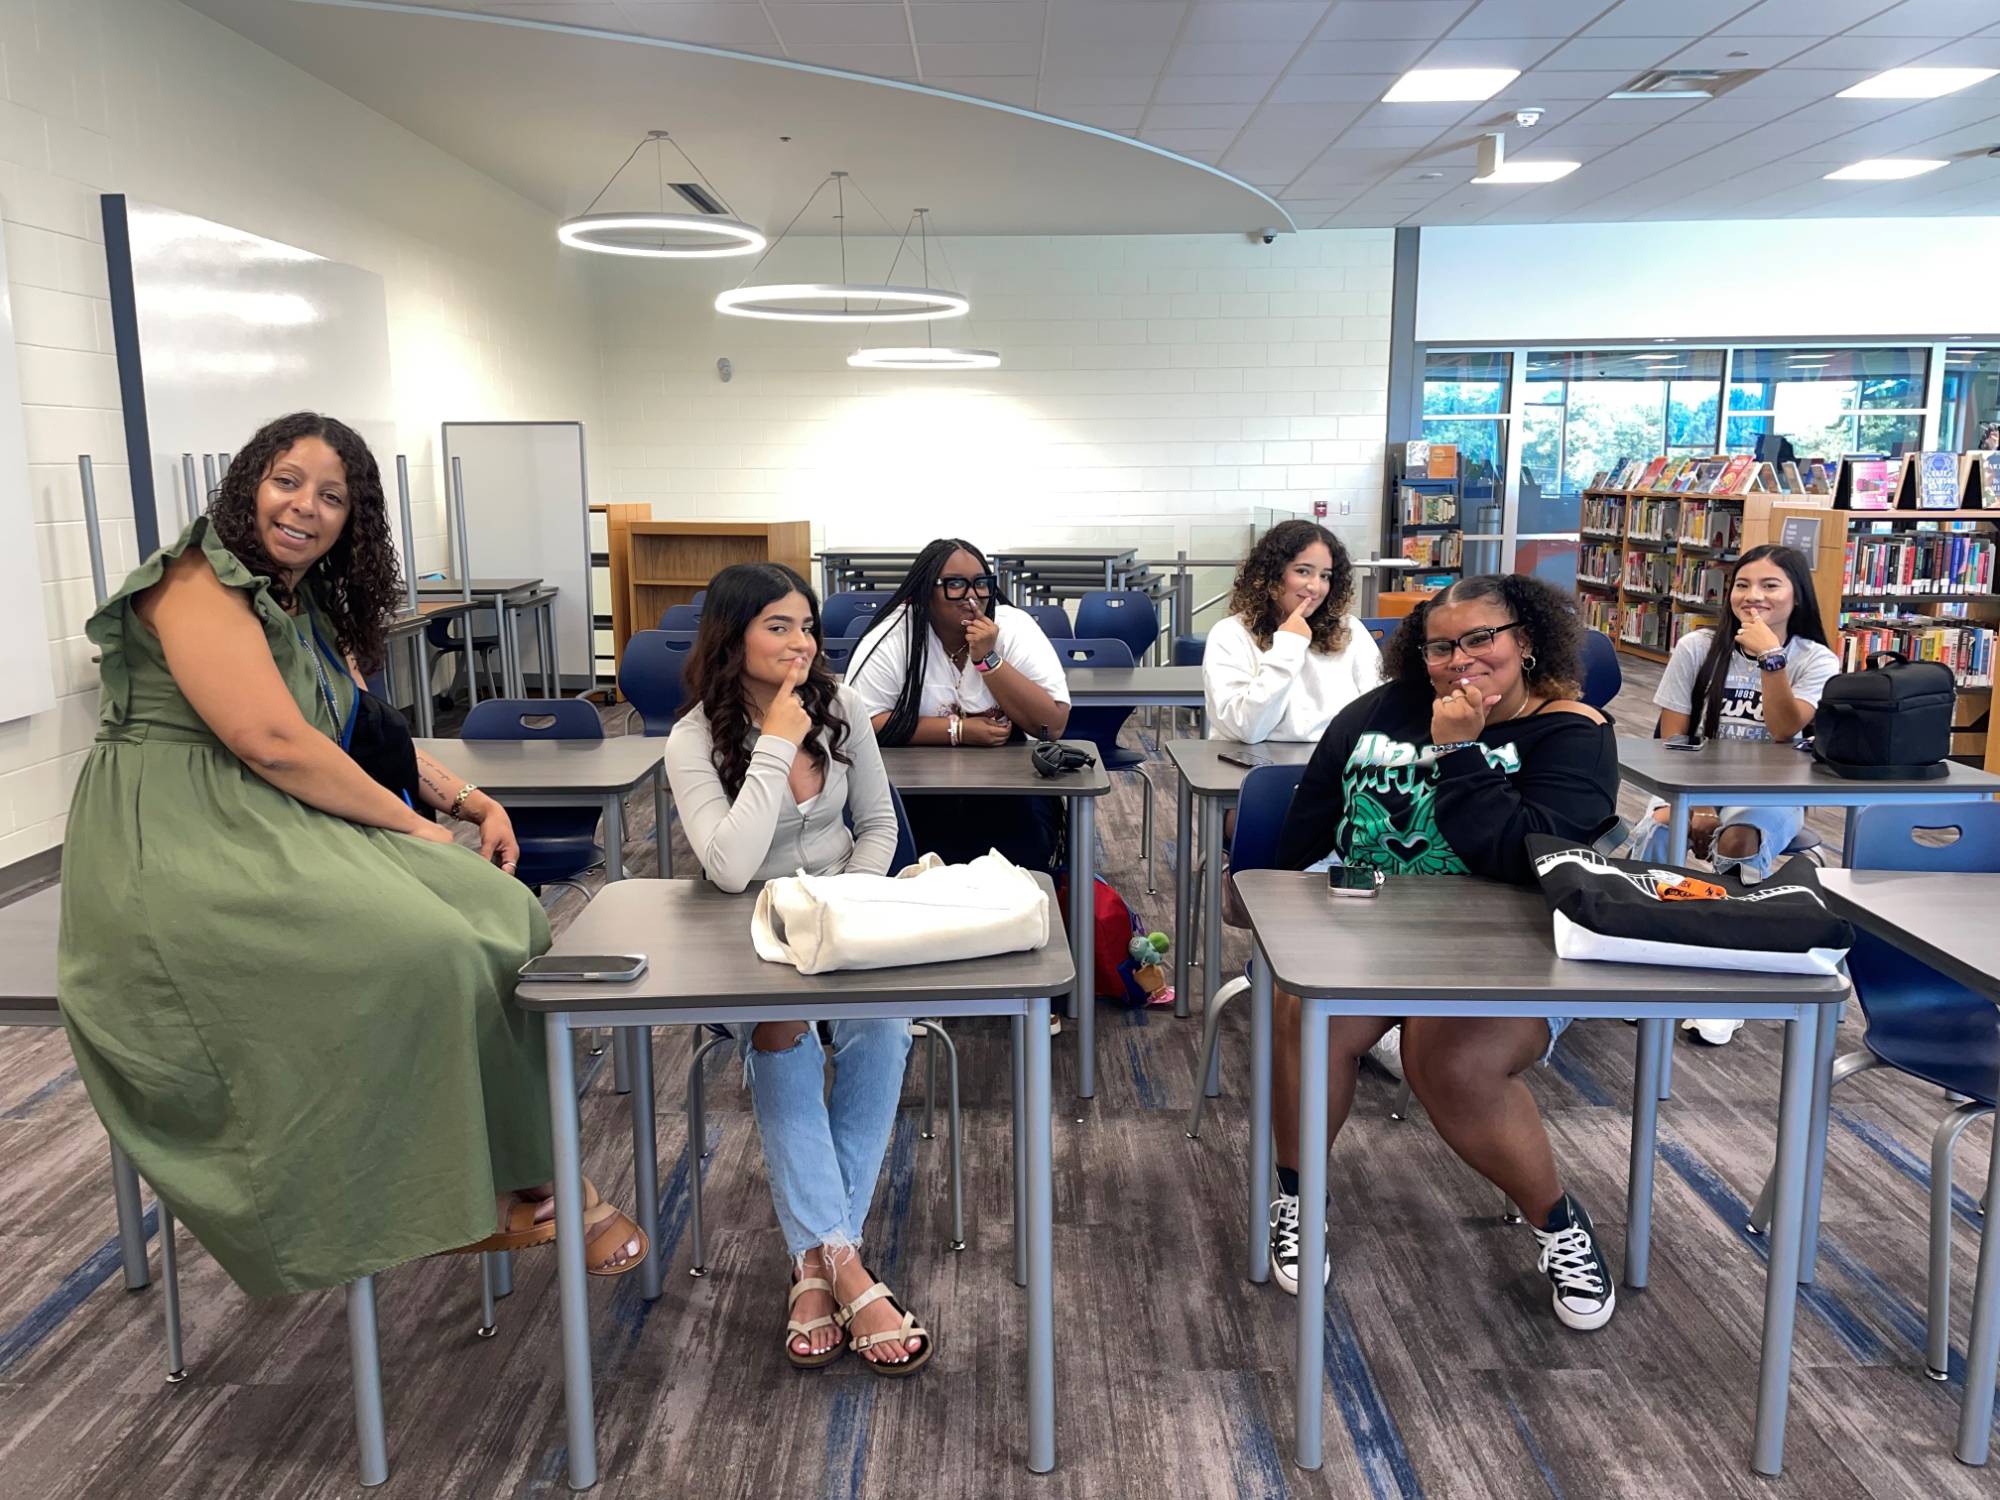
(409,626)
(1007,771)
(1947,921)
(1115,563)
(1381,957)
(704,970)
(1371,586)
(835,563)
(1208,785)
(1763,773)
(507,598)
(563,773)
(1137,687)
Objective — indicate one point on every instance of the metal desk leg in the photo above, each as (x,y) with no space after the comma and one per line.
(663,831)
(1211,897)
(1082,906)
(1982,1343)
(1677,829)
(420,664)
(507,625)
(1260,1118)
(1183,889)
(365,1357)
(1041,1248)
(1847,837)
(1822,1106)
(1020,1151)
(1653,1035)
(614,837)
(1309,1394)
(1781,1279)
(131,1220)
(646,1157)
(571,1296)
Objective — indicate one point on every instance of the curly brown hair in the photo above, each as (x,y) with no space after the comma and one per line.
(1553,634)
(1253,600)
(713,676)
(359,580)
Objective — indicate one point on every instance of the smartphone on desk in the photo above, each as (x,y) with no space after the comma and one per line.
(1684,742)
(1249,757)
(1364,882)
(585,968)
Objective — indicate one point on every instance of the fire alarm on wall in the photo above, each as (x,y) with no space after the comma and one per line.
(1319,510)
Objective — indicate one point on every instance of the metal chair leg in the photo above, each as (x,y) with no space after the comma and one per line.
(1146,834)
(1207,1083)
(1937,1341)
(488,1293)
(1400,1110)
(931,1033)
(170,1276)
(936,1033)
(621,1059)
(697,1148)
(131,1219)
(1844,1067)
(365,1356)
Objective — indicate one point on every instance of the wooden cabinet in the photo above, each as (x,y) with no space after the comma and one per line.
(668,562)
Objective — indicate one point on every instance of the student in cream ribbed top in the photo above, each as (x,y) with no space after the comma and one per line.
(1290,655)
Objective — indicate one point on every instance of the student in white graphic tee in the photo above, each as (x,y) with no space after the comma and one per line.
(1291,654)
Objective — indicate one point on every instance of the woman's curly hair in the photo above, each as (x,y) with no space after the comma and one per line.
(359,580)
(1260,573)
(1551,632)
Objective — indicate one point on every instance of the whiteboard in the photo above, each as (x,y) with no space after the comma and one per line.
(27,677)
(218,331)
(527,515)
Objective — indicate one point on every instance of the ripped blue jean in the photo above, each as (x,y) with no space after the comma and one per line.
(1777,827)
(823,1152)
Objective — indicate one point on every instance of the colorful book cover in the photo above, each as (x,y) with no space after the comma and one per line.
(1708,473)
(1670,471)
(1870,483)
(1442,461)
(1790,481)
(1819,478)
(1686,479)
(1731,480)
(1765,481)
(1937,481)
(1650,473)
(1417,458)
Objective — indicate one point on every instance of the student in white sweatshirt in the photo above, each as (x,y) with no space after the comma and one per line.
(1291,654)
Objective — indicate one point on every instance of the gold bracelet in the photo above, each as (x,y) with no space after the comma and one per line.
(459,801)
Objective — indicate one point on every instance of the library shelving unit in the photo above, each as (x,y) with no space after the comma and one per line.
(1650,564)
(1922,582)
(666,562)
(1425,519)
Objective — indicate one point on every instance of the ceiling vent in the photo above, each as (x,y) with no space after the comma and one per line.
(1682,83)
(703,200)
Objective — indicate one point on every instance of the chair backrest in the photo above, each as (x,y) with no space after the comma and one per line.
(1190,650)
(850,614)
(838,653)
(439,631)
(1261,804)
(1602,676)
(533,719)
(906,842)
(1053,619)
(1121,614)
(700,598)
(1885,838)
(1381,628)
(649,675)
(1088,652)
(681,617)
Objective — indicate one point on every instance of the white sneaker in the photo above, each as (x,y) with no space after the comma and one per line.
(1715,1033)
(1389,1052)
(1285,1245)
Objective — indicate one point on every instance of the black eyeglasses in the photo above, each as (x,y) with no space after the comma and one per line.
(1472,643)
(956,587)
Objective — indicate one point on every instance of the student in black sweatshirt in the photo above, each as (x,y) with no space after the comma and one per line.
(1476,740)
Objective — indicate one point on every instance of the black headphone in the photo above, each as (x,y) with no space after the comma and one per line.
(1052,758)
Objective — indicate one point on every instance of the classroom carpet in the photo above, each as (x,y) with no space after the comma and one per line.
(1447,1374)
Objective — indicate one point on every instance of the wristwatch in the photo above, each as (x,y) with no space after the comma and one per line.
(1771,661)
(989,663)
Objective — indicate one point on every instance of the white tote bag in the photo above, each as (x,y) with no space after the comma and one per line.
(930,913)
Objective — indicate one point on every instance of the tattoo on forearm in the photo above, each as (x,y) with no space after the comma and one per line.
(435,781)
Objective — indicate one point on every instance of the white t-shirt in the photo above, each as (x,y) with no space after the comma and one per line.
(875,671)
(1808,664)
(1289,692)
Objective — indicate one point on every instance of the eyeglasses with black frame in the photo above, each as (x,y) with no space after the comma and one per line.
(1472,643)
(957,586)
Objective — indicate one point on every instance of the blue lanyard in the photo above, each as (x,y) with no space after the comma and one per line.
(319,666)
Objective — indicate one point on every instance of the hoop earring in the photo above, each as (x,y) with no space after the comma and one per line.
(1528,664)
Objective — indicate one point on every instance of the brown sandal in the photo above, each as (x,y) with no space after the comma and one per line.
(522,1232)
(795,1329)
(861,1343)
(606,1230)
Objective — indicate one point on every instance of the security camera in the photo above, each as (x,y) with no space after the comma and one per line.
(1532,115)
(1268,236)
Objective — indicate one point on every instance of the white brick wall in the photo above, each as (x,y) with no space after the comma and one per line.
(148,98)
(1158,388)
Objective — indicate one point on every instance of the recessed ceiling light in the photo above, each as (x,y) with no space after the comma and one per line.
(1510,173)
(1449,85)
(1656,356)
(1917,83)
(1884,169)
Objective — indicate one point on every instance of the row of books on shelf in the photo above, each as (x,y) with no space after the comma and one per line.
(1722,474)
(1917,563)
(1965,647)
(1648,572)
(1648,624)
(1653,521)
(1698,580)
(1600,563)
(1718,528)
(1416,507)
(1445,551)
(1600,513)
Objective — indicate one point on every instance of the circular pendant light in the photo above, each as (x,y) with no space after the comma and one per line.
(664,234)
(925,356)
(858,302)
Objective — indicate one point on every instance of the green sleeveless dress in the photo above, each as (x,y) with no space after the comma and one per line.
(301,1030)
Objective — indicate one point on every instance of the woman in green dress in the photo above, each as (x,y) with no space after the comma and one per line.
(288,989)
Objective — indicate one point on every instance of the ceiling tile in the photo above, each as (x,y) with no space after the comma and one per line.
(843,25)
(1967,52)
(1331,88)
(599,13)
(1547,84)
(1283,154)
(1870,53)
(1630,53)
(1377,19)
(1391,57)
(1735,106)
(1057,92)
(979,21)
(1197,116)
(1139,23)
(1189,140)
(1798,83)
(1652,18)
(1800,17)
(1930,18)
(1267,58)
(1103,116)
(883,60)
(1016,91)
(1405,116)
(1311,119)
(1757,52)
(1410,136)
(1214,88)
(1085,59)
(980,59)
(710,25)
(1490,52)
(1253,20)
(1529,18)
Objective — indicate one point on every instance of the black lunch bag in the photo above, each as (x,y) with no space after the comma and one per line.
(1889,721)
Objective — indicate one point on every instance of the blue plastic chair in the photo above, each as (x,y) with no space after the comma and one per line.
(1101,726)
(685,617)
(1382,627)
(557,843)
(1190,650)
(1919,1021)
(1261,804)
(649,675)
(850,614)
(1120,615)
(1602,676)
(438,635)
(1053,619)
(700,598)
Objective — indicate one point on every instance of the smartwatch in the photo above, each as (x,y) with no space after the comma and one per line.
(991,661)
(1771,661)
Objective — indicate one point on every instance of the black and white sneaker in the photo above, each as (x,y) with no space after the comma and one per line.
(1582,1291)
(1285,1245)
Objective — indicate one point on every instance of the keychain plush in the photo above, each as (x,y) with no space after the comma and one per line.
(1148,953)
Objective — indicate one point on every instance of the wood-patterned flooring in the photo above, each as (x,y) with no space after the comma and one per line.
(1448,1376)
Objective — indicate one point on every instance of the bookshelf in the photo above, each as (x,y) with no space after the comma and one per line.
(1650,564)
(1425,514)
(666,562)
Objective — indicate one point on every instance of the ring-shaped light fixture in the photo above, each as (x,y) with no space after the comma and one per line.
(925,357)
(790,303)
(624,233)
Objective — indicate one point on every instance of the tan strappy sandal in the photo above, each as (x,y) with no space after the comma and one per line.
(606,1231)
(794,1329)
(861,1343)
